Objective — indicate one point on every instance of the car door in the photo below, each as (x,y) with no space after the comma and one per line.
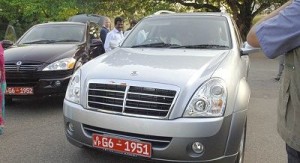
(245,58)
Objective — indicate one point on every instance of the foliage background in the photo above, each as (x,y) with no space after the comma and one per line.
(22,14)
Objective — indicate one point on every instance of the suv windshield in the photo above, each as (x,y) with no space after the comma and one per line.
(195,32)
(58,33)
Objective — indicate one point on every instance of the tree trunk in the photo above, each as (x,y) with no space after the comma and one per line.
(244,18)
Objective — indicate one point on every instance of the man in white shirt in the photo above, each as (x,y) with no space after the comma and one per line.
(115,36)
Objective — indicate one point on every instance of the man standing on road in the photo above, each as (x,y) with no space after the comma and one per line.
(277,34)
(115,36)
(105,29)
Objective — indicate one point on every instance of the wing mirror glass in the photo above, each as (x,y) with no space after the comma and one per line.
(248,49)
(6,44)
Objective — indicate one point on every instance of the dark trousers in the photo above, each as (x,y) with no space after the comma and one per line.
(293,155)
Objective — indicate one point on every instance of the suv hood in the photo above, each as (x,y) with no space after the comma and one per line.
(169,66)
(40,53)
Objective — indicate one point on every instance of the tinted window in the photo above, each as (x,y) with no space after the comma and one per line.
(181,30)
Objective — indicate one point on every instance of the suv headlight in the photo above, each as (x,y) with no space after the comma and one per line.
(73,90)
(63,64)
(209,100)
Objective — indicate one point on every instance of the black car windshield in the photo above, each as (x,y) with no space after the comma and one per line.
(54,33)
(192,32)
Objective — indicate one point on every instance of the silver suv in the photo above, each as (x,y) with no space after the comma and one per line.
(174,90)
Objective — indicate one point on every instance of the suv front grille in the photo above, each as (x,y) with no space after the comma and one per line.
(131,100)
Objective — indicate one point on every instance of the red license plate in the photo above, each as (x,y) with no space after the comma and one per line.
(125,146)
(19,91)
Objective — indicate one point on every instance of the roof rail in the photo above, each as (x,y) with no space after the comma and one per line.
(163,12)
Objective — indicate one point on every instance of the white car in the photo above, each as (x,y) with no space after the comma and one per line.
(175,90)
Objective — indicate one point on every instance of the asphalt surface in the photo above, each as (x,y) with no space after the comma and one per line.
(34,128)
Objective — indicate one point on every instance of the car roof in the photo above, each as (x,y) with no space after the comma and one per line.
(87,17)
(191,14)
(61,23)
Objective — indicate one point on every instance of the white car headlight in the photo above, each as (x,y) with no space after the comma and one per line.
(209,100)
(63,64)
(73,90)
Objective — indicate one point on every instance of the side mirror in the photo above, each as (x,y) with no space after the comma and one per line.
(10,34)
(248,49)
(96,42)
(6,44)
(96,48)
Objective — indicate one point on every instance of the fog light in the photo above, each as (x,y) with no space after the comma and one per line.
(70,127)
(198,147)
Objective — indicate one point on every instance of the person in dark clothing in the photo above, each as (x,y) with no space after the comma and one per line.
(105,29)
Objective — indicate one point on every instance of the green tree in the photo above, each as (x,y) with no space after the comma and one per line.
(22,14)
(130,9)
(243,11)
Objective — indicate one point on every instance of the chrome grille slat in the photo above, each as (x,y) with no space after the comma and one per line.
(107,97)
(23,67)
(139,108)
(149,102)
(107,90)
(135,100)
(150,95)
(106,104)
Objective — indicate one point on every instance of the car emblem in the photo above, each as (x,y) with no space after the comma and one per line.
(134,73)
(19,63)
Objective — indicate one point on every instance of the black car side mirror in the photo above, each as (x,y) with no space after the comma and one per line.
(96,42)
(96,48)
(6,44)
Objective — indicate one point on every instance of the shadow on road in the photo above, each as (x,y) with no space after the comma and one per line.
(36,103)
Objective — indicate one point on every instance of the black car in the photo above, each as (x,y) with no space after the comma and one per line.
(43,60)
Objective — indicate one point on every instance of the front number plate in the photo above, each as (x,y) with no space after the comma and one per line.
(19,91)
(125,146)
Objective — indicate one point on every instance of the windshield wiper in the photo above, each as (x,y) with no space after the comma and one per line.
(41,42)
(67,40)
(155,45)
(202,46)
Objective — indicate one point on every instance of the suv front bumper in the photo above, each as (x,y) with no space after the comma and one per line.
(214,133)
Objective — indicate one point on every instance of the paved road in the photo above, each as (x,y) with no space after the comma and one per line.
(34,130)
